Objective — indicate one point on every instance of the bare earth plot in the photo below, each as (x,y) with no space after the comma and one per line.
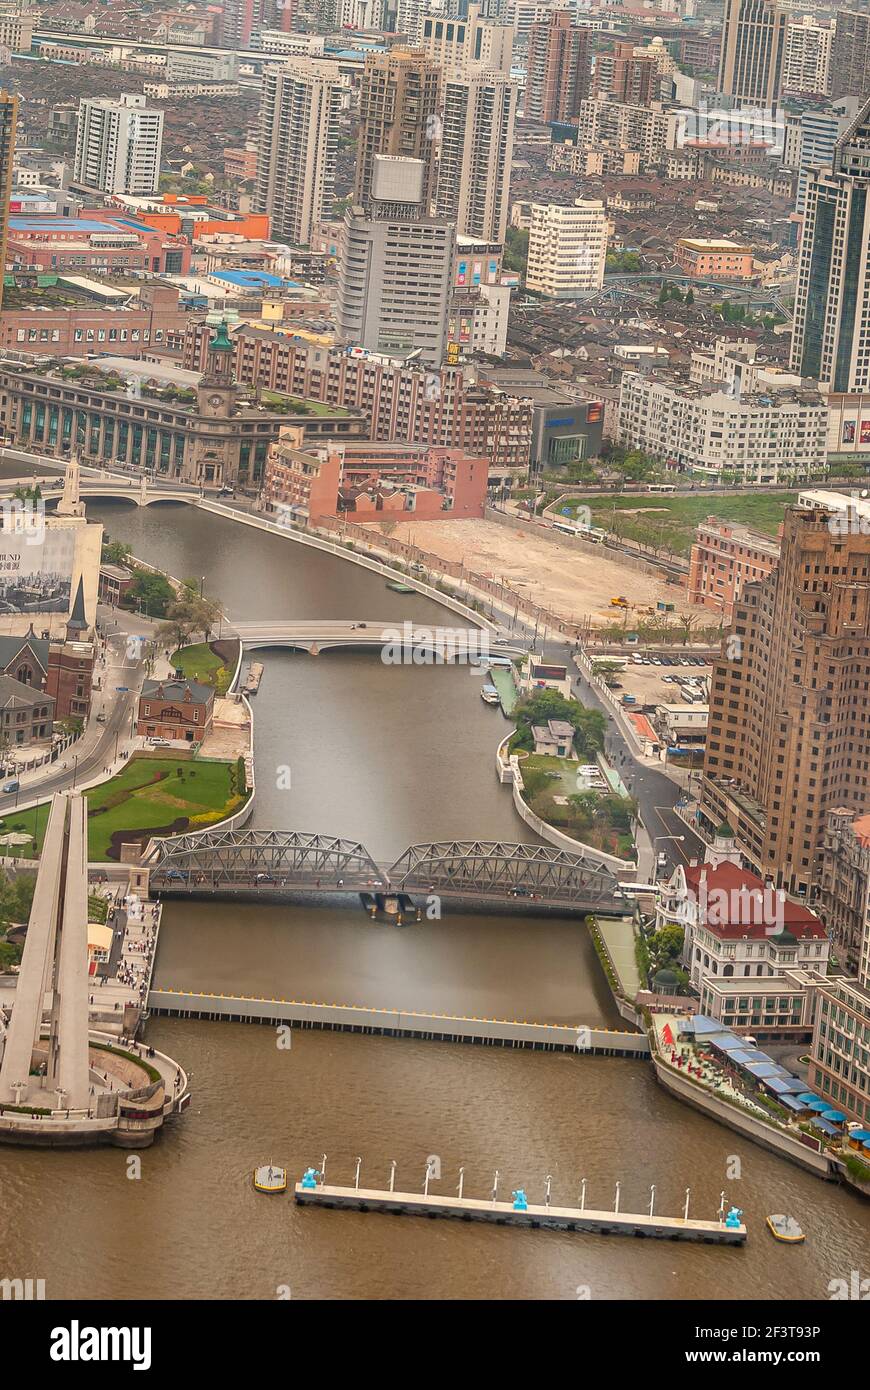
(570,581)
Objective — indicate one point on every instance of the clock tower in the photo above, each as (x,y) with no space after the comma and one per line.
(217,392)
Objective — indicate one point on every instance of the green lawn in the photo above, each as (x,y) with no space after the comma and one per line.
(546,778)
(279,398)
(199,663)
(659,517)
(150,794)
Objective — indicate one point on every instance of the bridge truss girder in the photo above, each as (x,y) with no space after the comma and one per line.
(492,866)
(237,856)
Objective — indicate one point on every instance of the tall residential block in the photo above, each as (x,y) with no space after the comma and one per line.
(753,51)
(479,111)
(831,336)
(807,59)
(298,140)
(8,118)
(850,54)
(787,737)
(118,145)
(557,69)
(477,40)
(567,248)
(398,115)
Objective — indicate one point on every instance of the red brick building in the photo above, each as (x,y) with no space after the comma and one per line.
(372,482)
(94,242)
(175,709)
(725,556)
(153,319)
(403,404)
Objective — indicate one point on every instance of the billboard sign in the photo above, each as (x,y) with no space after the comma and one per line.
(36,569)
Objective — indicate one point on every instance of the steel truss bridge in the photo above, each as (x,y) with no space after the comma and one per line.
(270,863)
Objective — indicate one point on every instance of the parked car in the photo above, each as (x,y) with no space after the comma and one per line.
(12,786)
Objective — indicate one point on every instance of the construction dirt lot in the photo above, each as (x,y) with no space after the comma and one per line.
(572,577)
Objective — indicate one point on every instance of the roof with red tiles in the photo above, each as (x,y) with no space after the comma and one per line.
(736,903)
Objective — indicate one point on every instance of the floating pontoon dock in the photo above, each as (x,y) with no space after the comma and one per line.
(506,1214)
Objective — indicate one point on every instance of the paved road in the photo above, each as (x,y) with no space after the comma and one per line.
(77,768)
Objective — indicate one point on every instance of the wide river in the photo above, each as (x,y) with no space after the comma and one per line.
(390,756)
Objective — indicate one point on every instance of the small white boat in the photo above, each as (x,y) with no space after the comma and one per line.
(785,1228)
(268,1178)
(489,695)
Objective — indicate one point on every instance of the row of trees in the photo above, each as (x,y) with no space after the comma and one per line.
(16,897)
(186,612)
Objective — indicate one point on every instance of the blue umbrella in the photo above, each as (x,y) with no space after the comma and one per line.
(835,1116)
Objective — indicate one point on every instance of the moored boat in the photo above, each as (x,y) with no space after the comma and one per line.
(489,695)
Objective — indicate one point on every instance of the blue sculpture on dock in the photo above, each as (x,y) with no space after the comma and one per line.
(733,1218)
(520,1200)
(309,1177)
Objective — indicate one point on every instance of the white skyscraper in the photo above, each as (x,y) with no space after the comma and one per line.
(118,143)
(299,110)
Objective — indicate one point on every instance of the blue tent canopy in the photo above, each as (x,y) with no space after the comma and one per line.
(783,1085)
(823,1125)
(808,1096)
(862,1135)
(819,1105)
(790,1103)
(836,1117)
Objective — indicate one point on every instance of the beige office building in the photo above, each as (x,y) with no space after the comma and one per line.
(753,52)
(787,736)
(567,248)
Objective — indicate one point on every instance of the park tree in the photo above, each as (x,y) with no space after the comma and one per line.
(116,552)
(153,593)
(665,946)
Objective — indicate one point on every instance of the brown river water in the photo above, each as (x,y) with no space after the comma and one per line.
(391,756)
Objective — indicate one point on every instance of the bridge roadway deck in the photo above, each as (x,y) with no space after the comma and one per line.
(287,888)
(352,1018)
(409,642)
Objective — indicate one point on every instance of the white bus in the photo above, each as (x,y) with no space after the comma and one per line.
(660,487)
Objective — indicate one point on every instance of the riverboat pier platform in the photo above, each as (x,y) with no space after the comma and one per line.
(524,1213)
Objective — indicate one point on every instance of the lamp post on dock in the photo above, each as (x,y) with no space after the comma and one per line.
(721,1206)
(616,1200)
(548,1180)
(356,1178)
(461,1182)
(495,1186)
(686,1208)
(652,1198)
(583,1195)
(322,1169)
(392,1175)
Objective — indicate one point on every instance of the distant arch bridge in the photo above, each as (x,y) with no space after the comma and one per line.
(138,491)
(403,642)
(269,863)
